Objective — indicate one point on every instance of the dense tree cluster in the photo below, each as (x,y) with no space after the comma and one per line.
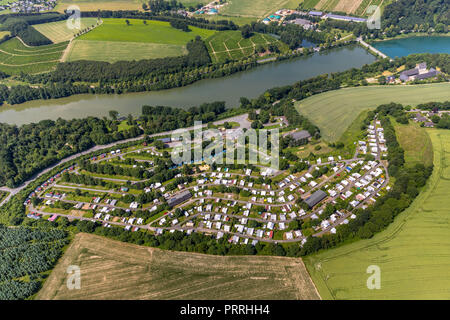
(93,71)
(157,6)
(27,252)
(182,25)
(408,14)
(160,118)
(20,28)
(30,148)
(408,181)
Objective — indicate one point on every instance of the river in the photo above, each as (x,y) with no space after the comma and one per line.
(405,46)
(249,84)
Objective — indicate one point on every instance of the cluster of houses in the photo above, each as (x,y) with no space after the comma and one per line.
(29,6)
(424,117)
(211,8)
(45,185)
(376,143)
(420,72)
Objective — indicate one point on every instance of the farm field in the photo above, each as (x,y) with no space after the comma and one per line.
(256,8)
(112,51)
(94,5)
(355,7)
(416,143)
(16,58)
(114,41)
(412,253)
(231,45)
(155,32)
(339,108)
(117,270)
(59,32)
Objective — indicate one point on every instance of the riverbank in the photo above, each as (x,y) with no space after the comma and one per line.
(409,45)
(250,83)
(409,35)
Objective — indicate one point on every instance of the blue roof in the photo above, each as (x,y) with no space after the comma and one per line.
(336,16)
(315,13)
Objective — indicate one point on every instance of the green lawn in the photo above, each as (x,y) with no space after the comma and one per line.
(334,111)
(416,143)
(59,32)
(412,253)
(153,32)
(16,58)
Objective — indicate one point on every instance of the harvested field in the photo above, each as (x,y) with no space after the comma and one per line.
(116,270)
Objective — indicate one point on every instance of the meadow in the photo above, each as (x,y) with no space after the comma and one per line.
(154,32)
(112,51)
(416,142)
(114,40)
(117,270)
(16,58)
(256,8)
(231,45)
(334,111)
(59,32)
(413,253)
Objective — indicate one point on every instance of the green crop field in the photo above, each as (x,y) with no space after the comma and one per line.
(116,270)
(231,45)
(413,253)
(334,111)
(114,40)
(154,32)
(59,32)
(416,143)
(112,51)
(16,58)
(256,8)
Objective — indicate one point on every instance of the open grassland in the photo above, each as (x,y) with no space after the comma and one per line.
(255,8)
(413,253)
(117,270)
(231,45)
(112,51)
(114,40)
(334,111)
(59,32)
(15,57)
(416,143)
(137,31)
(94,5)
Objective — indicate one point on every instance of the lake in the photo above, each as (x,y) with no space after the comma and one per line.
(406,46)
(249,84)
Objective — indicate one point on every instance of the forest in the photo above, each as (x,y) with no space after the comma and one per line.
(410,14)
(93,71)
(20,28)
(25,254)
(30,148)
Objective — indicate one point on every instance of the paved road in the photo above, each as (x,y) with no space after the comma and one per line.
(241,119)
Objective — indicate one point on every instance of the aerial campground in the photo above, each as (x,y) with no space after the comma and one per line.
(244,150)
